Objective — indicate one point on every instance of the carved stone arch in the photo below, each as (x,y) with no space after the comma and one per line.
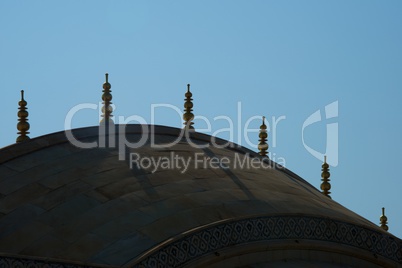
(293,234)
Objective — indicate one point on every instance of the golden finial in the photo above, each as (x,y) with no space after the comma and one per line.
(325,185)
(263,145)
(106,97)
(23,125)
(383,220)
(188,116)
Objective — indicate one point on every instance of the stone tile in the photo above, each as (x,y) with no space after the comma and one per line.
(120,187)
(168,207)
(102,161)
(35,158)
(249,208)
(179,188)
(161,178)
(47,245)
(171,226)
(238,194)
(216,183)
(22,196)
(210,197)
(19,217)
(219,173)
(83,249)
(17,149)
(61,194)
(202,173)
(208,214)
(63,177)
(6,154)
(97,217)
(121,226)
(6,172)
(123,250)
(150,195)
(68,211)
(49,173)
(16,182)
(107,176)
(25,235)
(97,196)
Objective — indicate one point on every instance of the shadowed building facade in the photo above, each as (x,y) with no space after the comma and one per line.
(208,203)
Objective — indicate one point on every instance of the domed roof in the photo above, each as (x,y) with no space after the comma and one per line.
(117,206)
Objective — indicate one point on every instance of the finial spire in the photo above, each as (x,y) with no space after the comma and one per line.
(263,145)
(325,185)
(106,97)
(383,220)
(23,125)
(188,116)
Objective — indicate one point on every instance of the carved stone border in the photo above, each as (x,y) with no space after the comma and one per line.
(211,239)
(269,228)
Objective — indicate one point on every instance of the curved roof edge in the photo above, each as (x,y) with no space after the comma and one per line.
(237,231)
(188,246)
(38,143)
(18,149)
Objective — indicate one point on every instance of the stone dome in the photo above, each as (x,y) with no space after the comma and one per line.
(208,203)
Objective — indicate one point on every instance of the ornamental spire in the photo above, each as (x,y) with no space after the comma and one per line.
(23,125)
(325,185)
(383,220)
(188,116)
(106,97)
(263,145)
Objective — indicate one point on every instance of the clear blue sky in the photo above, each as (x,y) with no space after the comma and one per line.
(278,58)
